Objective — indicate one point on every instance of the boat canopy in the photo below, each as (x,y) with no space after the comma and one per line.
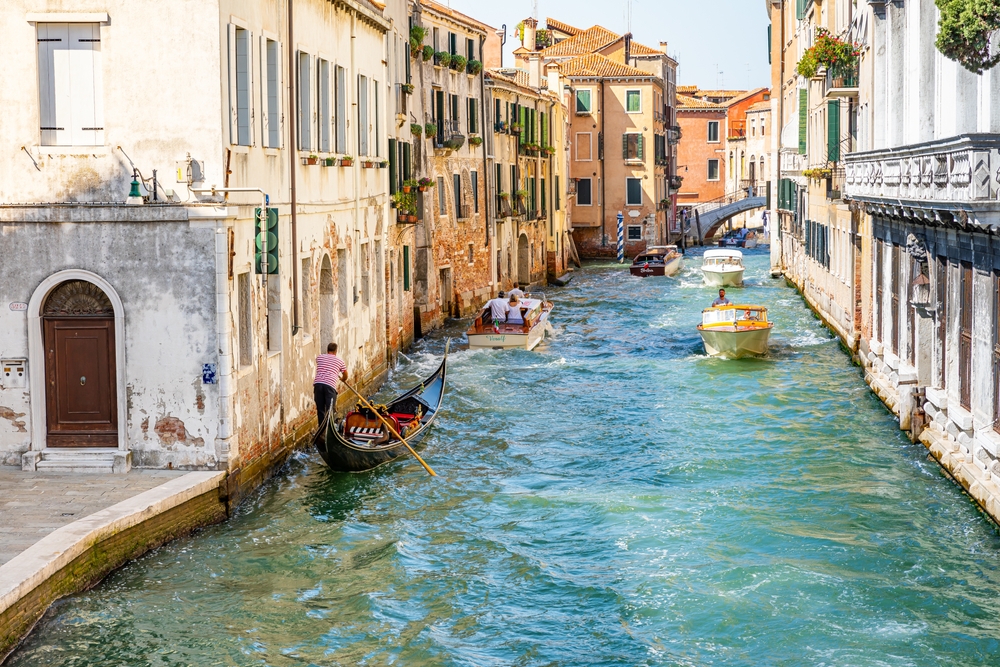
(733,313)
(723,254)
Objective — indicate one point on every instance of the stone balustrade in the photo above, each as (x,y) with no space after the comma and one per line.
(962,169)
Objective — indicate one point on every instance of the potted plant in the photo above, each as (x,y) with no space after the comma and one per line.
(431,129)
(417,35)
(330,161)
(367,163)
(384,164)
(835,54)
(522,194)
(549,150)
(312,159)
(409,184)
(475,141)
(428,52)
(474,67)
(455,142)
(425,183)
(516,128)
(407,88)
(504,195)
(416,129)
(442,58)
(347,161)
(458,63)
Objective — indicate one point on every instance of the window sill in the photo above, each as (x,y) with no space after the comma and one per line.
(272,152)
(245,150)
(81,151)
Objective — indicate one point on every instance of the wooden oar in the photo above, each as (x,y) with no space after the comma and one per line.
(391,429)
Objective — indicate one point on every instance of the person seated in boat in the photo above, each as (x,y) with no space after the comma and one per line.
(722,300)
(517,292)
(498,309)
(514,315)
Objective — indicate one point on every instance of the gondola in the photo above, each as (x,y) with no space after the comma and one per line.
(360,441)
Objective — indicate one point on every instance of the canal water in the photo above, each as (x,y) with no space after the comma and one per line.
(613,498)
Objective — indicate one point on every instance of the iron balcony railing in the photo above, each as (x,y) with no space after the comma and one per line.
(446,129)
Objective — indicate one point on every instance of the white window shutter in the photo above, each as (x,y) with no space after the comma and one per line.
(47,93)
(62,78)
(250,96)
(82,85)
(281,94)
(262,59)
(233,130)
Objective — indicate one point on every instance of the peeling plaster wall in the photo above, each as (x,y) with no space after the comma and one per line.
(163,271)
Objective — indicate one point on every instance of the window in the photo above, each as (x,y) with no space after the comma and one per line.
(470,49)
(555,195)
(583,105)
(363,115)
(583,192)
(70,89)
(272,102)
(473,117)
(378,115)
(633,101)
(633,192)
(632,146)
(323,103)
(453,108)
(472,254)
(474,177)
(442,206)
(305,107)
(942,324)
(406,268)
(365,275)
(340,92)
(452,43)
(306,295)
(457,187)
(245,313)
(243,89)
(713,131)
(634,233)
(713,170)
(584,147)
(274,313)
(965,335)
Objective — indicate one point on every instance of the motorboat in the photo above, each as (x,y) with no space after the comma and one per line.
(739,238)
(487,334)
(735,331)
(361,441)
(723,268)
(657,261)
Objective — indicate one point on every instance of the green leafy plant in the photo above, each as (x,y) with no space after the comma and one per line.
(474,67)
(475,141)
(838,56)
(442,58)
(516,128)
(817,174)
(417,35)
(406,202)
(966,30)
(504,195)
(409,184)
(407,88)
(458,62)
(428,52)
(522,194)
(431,129)
(425,182)
(455,142)
(416,129)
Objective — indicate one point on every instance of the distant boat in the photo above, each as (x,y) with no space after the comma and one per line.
(735,331)
(535,311)
(657,261)
(361,441)
(723,268)
(739,238)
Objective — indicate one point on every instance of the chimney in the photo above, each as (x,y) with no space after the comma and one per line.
(534,71)
(552,72)
(663,47)
(530,27)
(628,47)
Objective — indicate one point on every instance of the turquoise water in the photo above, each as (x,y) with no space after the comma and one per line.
(613,498)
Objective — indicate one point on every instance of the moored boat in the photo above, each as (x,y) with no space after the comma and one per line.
(735,331)
(657,261)
(484,333)
(739,238)
(723,268)
(361,441)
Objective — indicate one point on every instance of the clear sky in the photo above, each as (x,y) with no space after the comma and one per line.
(706,36)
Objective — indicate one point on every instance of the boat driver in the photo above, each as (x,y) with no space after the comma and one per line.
(722,300)
(498,310)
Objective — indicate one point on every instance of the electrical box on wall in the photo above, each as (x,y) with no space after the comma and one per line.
(13,374)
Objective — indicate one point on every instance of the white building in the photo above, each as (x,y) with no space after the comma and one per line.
(142,334)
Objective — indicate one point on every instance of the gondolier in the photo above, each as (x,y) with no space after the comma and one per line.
(329,369)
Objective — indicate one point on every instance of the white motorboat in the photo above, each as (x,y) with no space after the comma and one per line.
(735,331)
(535,311)
(723,268)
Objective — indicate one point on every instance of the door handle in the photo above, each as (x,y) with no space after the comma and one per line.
(83,380)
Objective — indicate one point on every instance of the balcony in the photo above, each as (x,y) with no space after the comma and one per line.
(737,130)
(447,133)
(841,83)
(503,207)
(673,135)
(463,211)
(835,184)
(954,171)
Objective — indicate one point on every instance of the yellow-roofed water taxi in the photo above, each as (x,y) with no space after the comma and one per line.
(735,331)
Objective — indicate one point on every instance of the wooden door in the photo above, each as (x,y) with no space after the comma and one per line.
(81,398)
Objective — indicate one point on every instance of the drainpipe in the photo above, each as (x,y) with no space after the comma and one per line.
(781,126)
(293,156)
(486,164)
(602,143)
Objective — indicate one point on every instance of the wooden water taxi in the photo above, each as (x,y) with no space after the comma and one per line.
(657,261)
(361,441)
(735,331)
(723,268)
(535,311)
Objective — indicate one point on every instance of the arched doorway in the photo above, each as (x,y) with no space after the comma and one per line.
(325,303)
(81,392)
(523,261)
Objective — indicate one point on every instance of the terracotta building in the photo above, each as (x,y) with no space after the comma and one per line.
(701,153)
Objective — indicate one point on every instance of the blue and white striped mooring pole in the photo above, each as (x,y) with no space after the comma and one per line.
(621,237)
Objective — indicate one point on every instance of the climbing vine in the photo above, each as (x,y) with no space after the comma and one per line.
(966,30)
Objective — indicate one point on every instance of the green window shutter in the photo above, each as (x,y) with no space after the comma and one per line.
(803,119)
(543,195)
(524,125)
(392,166)
(624,146)
(639,147)
(544,135)
(833,130)
(406,268)
(768,43)
(407,163)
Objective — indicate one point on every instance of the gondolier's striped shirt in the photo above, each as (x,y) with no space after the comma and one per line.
(328,369)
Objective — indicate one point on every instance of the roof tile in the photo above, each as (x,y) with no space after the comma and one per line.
(596,65)
(590,40)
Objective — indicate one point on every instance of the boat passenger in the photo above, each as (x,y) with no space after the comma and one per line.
(514,312)
(329,369)
(722,300)
(517,292)
(498,309)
